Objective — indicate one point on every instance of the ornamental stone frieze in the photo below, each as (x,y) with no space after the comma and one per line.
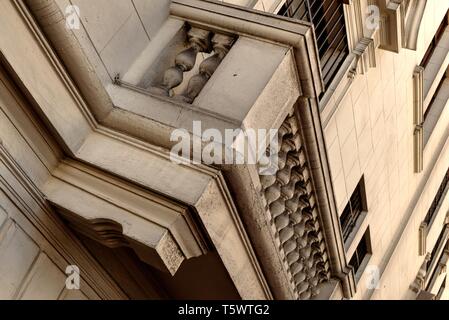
(291,208)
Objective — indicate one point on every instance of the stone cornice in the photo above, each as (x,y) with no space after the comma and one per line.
(266,26)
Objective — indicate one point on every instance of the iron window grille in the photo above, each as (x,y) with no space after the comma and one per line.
(352,211)
(436,201)
(327,17)
(362,251)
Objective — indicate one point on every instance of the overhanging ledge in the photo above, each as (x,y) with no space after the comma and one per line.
(266,26)
(118,214)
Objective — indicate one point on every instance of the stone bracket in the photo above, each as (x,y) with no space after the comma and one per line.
(118,215)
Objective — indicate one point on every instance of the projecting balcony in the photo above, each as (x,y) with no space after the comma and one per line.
(230,68)
(219,64)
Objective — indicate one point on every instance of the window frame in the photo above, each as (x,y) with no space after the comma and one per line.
(362,261)
(355,224)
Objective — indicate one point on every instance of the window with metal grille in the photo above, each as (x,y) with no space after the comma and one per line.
(352,211)
(438,197)
(439,242)
(327,17)
(362,251)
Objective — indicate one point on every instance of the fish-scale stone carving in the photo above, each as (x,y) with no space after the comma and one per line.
(291,205)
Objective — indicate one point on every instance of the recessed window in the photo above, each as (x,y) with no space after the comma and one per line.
(441,192)
(353,210)
(442,289)
(361,253)
(434,42)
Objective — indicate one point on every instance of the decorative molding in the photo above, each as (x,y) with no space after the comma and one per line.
(423,229)
(420,280)
(418,119)
(418,147)
(354,22)
(413,13)
(165,255)
(366,55)
(291,206)
(391,25)
(418,95)
(400,23)
(117,214)
(245,22)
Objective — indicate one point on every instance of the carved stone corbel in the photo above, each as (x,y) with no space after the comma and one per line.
(116,214)
(160,250)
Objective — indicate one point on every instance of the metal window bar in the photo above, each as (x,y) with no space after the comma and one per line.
(327,17)
(359,254)
(351,213)
(436,201)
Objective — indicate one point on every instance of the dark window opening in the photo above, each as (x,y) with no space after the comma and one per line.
(363,249)
(435,248)
(327,17)
(434,42)
(352,211)
(434,96)
(442,288)
(436,201)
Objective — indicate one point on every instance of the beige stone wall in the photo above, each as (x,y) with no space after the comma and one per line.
(371,135)
(35,247)
(26,270)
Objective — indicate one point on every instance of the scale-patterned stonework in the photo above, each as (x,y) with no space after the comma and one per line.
(290,203)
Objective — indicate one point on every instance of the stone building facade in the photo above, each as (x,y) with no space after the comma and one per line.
(91,93)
